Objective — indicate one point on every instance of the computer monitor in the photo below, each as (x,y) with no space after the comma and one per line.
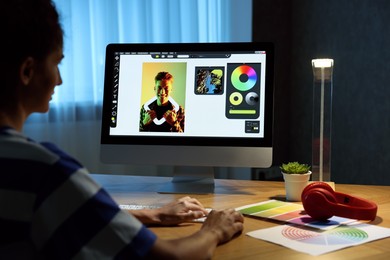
(219,111)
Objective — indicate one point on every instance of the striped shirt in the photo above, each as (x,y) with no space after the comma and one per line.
(51,208)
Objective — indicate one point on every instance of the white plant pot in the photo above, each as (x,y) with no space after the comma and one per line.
(294,185)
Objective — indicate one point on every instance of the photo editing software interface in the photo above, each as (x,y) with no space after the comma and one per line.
(212,93)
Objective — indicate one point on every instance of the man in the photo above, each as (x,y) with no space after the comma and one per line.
(162,113)
(49,206)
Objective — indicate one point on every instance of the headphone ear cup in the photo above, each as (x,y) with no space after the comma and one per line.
(318,202)
(313,185)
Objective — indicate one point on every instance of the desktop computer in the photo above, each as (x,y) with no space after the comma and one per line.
(191,105)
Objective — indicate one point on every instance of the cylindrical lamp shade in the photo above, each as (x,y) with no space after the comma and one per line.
(322,118)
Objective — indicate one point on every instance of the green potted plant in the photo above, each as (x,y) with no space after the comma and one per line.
(296,176)
(295,168)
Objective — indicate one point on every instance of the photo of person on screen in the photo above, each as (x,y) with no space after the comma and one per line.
(162,113)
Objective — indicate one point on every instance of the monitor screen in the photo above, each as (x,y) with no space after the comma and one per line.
(188,104)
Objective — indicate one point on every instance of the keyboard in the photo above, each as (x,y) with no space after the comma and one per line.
(137,207)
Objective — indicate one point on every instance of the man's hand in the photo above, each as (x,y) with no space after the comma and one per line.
(183,210)
(171,117)
(149,116)
(225,224)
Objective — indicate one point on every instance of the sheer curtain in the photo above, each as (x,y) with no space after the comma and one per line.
(73,121)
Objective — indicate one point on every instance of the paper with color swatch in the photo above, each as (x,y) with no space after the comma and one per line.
(316,242)
(291,213)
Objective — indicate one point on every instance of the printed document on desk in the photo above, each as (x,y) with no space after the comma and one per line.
(288,212)
(316,242)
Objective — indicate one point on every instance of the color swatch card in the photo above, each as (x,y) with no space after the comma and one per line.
(291,213)
(316,242)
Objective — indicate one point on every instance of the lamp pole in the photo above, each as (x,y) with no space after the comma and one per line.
(322,117)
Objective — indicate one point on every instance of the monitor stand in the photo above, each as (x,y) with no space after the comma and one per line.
(190,180)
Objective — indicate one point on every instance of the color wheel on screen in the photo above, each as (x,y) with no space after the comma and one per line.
(244,78)
(243,91)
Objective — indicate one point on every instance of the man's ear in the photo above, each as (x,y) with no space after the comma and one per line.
(26,71)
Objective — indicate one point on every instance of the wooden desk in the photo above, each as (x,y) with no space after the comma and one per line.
(235,193)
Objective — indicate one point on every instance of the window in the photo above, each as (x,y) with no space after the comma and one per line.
(90,25)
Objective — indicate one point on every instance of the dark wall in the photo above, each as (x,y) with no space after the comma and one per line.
(356,34)
(271,21)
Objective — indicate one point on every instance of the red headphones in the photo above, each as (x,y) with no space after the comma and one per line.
(321,202)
